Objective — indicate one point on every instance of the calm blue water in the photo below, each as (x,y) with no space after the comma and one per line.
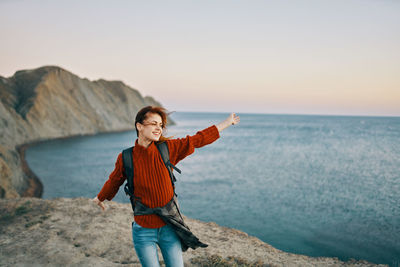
(315,185)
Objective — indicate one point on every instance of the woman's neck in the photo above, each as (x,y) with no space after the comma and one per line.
(144,142)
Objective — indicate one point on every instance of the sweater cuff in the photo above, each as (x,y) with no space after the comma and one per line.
(101,197)
(212,132)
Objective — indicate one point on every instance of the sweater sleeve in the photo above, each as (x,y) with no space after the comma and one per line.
(182,147)
(115,180)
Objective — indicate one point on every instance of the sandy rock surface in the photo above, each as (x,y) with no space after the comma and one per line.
(75,232)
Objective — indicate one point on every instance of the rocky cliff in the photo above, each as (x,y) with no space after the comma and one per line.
(50,102)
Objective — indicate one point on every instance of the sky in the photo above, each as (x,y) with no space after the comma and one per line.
(275,57)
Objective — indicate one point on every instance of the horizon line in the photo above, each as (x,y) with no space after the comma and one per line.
(289,114)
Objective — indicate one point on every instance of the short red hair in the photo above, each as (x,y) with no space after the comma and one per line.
(141,116)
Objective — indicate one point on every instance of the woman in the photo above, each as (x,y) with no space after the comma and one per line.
(152,183)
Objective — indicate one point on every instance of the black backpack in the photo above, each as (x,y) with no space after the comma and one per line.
(128,169)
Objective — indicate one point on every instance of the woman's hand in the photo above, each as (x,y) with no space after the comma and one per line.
(98,202)
(231,120)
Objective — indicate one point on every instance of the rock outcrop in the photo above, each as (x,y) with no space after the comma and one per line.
(50,102)
(76,232)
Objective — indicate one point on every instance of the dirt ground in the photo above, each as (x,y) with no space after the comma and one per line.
(75,232)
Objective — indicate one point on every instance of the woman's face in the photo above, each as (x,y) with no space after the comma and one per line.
(151,128)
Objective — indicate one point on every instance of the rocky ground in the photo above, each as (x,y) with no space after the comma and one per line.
(75,232)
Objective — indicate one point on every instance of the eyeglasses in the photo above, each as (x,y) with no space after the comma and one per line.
(154,124)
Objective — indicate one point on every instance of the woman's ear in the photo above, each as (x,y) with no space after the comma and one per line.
(139,126)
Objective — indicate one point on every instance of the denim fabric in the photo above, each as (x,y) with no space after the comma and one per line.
(171,215)
(145,241)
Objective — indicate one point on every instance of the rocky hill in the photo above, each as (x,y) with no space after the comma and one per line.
(76,232)
(50,102)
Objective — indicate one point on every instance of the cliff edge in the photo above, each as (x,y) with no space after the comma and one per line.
(76,232)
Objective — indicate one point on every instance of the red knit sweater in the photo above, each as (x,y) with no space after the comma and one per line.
(151,178)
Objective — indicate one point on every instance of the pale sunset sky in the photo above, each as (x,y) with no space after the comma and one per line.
(286,57)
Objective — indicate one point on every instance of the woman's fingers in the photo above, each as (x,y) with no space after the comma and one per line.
(99,203)
(235,118)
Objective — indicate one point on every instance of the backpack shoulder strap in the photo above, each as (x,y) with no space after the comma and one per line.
(128,170)
(164,151)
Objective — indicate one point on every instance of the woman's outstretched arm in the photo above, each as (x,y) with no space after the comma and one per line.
(180,148)
(111,186)
(231,120)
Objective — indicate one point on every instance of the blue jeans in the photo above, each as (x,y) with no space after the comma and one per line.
(146,239)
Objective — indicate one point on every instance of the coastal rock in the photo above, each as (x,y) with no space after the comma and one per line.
(50,102)
(76,232)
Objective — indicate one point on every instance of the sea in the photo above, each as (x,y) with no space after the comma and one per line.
(307,184)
